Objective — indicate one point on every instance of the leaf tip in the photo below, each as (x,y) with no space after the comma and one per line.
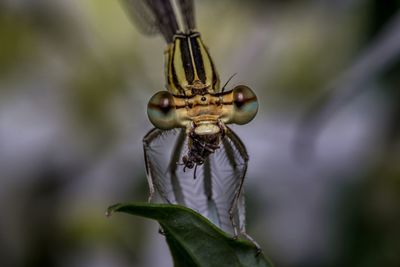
(108,213)
(110,210)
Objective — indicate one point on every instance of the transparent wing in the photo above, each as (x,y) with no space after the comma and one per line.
(159,153)
(228,168)
(187,11)
(141,15)
(216,186)
(152,17)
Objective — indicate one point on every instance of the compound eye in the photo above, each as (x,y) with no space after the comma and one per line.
(245,104)
(161,110)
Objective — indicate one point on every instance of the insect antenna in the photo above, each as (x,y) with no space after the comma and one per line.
(230,78)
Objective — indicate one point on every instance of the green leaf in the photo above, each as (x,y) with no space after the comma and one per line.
(193,240)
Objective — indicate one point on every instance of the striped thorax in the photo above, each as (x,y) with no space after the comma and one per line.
(189,67)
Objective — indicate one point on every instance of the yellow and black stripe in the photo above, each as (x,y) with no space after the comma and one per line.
(189,67)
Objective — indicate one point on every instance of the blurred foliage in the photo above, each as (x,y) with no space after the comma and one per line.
(19,43)
(371,217)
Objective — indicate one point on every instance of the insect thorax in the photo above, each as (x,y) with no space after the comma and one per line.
(189,67)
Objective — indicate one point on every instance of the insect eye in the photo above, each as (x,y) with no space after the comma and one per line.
(161,110)
(245,104)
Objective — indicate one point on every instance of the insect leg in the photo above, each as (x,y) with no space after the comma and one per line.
(147,140)
(237,201)
(238,204)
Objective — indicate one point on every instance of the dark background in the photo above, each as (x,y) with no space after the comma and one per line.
(323,186)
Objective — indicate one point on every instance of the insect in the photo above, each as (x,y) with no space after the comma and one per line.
(192,157)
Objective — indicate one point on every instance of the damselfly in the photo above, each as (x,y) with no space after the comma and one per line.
(192,157)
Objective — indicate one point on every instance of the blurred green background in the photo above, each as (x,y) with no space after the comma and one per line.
(323,186)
